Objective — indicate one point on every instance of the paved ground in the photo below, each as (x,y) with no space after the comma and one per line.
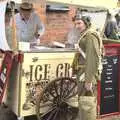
(111,118)
(105,118)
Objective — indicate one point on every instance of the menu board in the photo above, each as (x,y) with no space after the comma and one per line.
(109,85)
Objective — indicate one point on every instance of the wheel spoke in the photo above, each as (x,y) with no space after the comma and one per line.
(55,116)
(52,109)
(51,115)
(46,104)
(46,98)
(72,95)
(61,88)
(55,87)
(70,91)
(66,88)
(51,93)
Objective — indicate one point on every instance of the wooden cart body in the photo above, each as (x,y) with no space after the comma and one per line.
(36,68)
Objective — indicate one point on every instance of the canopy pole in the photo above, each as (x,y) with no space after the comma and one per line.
(14,39)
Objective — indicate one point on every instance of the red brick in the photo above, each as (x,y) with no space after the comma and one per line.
(57,24)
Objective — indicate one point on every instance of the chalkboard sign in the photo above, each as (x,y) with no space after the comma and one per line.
(109,85)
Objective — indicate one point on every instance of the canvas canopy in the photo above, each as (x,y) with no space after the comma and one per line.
(109,4)
(92,3)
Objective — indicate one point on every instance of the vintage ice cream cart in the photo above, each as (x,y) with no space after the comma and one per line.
(39,82)
(36,71)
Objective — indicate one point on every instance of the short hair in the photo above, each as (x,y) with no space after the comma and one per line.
(6,113)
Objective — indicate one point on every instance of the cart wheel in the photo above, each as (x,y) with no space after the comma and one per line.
(53,104)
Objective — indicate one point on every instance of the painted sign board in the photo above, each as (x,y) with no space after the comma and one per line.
(40,69)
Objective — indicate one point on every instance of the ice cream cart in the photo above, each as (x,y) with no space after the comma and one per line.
(45,72)
(40,83)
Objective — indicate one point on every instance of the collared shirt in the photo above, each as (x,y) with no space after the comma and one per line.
(26,29)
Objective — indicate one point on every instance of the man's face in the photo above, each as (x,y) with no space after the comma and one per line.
(25,14)
(80,25)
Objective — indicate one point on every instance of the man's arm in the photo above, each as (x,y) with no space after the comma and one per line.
(92,59)
(40,26)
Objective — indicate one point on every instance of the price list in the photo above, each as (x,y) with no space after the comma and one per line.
(109,85)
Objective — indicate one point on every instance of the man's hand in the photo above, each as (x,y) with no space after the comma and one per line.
(37,35)
(88,86)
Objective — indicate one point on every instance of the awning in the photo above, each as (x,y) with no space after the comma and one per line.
(109,4)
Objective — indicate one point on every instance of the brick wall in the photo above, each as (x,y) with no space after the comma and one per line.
(57,23)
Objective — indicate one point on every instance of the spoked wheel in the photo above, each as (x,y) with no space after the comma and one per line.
(54,102)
